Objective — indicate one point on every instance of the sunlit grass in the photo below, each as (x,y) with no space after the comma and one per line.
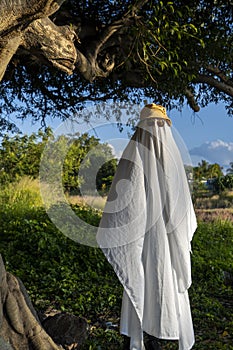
(24,193)
(96,202)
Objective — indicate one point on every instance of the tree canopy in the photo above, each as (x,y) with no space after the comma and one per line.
(56,56)
(20,156)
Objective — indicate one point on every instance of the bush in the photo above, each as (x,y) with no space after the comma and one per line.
(65,275)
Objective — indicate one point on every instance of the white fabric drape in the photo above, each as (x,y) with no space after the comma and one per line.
(145,233)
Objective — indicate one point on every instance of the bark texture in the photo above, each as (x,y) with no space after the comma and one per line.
(27,29)
(20,327)
(25,24)
(51,44)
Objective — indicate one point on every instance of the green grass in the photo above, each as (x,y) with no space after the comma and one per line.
(20,196)
(65,275)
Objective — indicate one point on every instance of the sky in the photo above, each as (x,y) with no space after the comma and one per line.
(206,135)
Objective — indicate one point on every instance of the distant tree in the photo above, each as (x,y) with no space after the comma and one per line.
(230,170)
(21,156)
(223,183)
(200,171)
(207,171)
(214,170)
(84,165)
(105,176)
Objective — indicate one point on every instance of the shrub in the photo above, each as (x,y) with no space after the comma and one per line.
(60,273)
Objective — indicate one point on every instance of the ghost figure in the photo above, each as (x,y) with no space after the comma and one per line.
(146,231)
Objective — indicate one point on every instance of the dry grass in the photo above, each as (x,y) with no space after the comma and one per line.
(25,193)
(210,215)
(215,207)
(215,201)
(96,202)
(229,194)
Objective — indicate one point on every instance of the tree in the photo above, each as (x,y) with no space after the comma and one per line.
(201,170)
(207,171)
(223,183)
(82,169)
(105,176)
(21,156)
(214,171)
(116,50)
(230,169)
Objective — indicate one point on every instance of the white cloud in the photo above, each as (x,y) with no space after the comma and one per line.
(216,151)
(117,146)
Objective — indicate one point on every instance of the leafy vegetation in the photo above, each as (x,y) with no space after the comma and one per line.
(207,170)
(172,50)
(223,182)
(20,156)
(59,273)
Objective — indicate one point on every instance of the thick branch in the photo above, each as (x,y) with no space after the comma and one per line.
(50,43)
(46,42)
(8,48)
(191,100)
(116,25)
(18,14)
(216,71)
(221,86)
(15,17)
(88,64)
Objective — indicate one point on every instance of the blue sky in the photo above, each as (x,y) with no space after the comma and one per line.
(207,135)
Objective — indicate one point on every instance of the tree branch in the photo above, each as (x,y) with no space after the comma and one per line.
(219,73)
(88,63)
(8,48)
(221,86)
(16,16)
(50,43)
(191,100)
(116,25)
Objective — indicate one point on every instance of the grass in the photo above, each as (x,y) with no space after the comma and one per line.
(219,214)
(208,200)
(61,274)
(97,202)
(21,195)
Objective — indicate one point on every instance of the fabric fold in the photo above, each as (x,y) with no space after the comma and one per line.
(146,232)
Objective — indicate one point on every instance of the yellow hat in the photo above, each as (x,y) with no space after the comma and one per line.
(154,111)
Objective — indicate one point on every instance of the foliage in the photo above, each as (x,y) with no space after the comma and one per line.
(62,274)
(56,270)
(222,183)
(210,293)
(105,176)
(171,50)
(205,177)
(207,171)
(21,195)
(230,169)
(21,156)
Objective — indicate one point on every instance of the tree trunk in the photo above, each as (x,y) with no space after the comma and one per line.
(20,327)
(8,47)
(45,42)
(26,23)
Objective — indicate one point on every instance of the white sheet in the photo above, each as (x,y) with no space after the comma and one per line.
(145,233)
